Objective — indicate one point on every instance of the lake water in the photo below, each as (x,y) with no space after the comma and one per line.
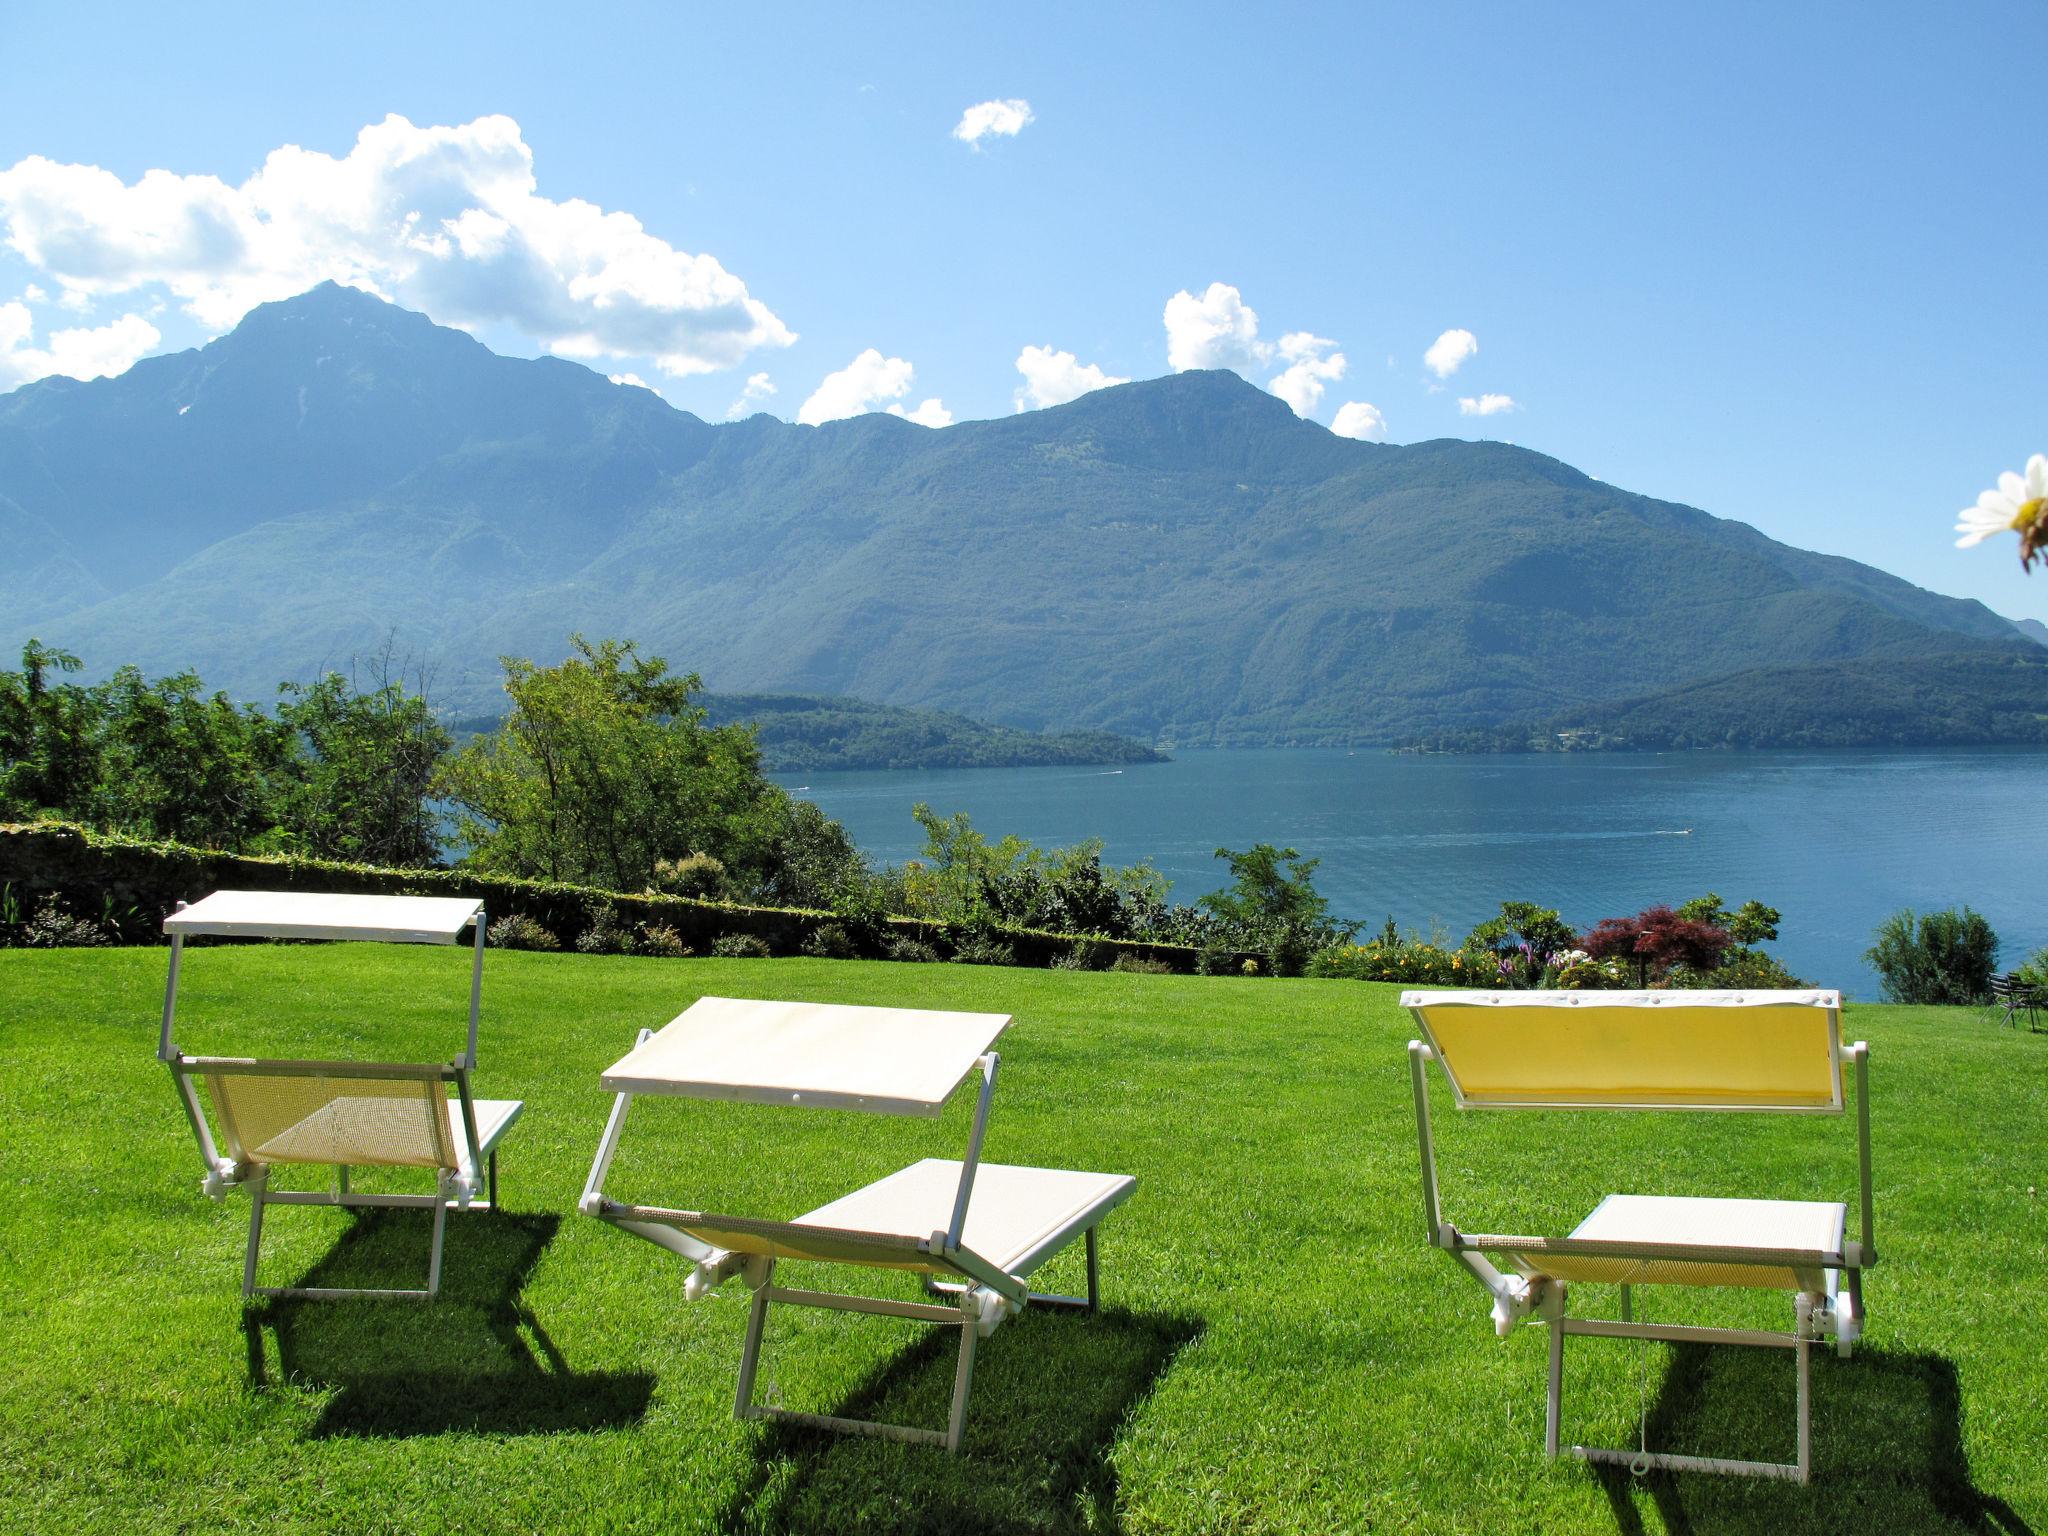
(1836,840)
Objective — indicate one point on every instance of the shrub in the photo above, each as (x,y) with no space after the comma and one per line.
(662,942)
(606,935)
(54,928)
(1140,965)
(1215,959)
(740,946)
(2035,972)
(1411,962)
(828,941)
(695,874)
(1742,968)
(1939,957)
(1083,955)
(981,949)
(911,951)
(515,930)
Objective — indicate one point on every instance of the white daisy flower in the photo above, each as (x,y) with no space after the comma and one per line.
(2016,503)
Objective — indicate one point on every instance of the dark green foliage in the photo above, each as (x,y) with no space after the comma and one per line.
(804,734)
(54,928)
(606,935)
(1937,957)
(1741,968)
(659,941)
(695,874)
(829,941)
(810,861)
(337,772)
(1410,962)
(740,946)
(1750,923)
(515,930)
(1272,903)
(1518,943)
(982,948)
(1140,965)
(1220,570)
(913,951)
(364,777)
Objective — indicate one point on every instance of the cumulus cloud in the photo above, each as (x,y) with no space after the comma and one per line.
(860,386)
(1311,365)
(932,413)
(1217,330)
(80,352)
(633,379)
(445,219)
(1054,378)
(1485,405)
(1005,119)
(758,388)
(1356,418)
(1448,352)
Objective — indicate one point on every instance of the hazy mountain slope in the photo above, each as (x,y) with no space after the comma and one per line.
(1179,557)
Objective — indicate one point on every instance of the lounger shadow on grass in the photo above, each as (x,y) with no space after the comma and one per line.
(1887,1447)
(1051,1390)
(474,1359)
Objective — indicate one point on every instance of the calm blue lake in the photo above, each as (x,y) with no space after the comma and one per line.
(1837,840)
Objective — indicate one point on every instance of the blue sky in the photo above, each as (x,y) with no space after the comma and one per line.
(1784,263)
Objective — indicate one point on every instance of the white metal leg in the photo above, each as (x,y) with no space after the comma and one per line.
(1554,1408)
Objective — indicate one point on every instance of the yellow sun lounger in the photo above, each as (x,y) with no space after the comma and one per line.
(1772,1052)
(975,1231)
(338,1113)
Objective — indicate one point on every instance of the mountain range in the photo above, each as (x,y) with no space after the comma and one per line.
(1181,558)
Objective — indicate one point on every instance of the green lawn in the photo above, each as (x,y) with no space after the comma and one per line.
(1280,1351)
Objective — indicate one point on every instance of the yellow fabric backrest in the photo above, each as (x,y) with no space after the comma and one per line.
(332,1117)
(1641,1050)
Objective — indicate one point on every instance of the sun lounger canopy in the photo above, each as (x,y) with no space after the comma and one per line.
(1637,1050)
(326,915)
(899,1061)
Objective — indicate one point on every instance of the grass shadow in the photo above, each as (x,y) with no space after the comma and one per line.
(1887,1446)
(474,1359)
(1051,1390)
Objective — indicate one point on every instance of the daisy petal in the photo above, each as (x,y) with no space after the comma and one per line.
(2004,508)
(2012,486)
(2037,476)
(1973,538)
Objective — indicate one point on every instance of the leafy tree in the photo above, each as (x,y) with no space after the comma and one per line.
(1656,941)
(1521,939)
(1272,902)
(362,782)
(605,767)
(49,749)
(812,862)
(1939,957)
(1750,923)
(180,764)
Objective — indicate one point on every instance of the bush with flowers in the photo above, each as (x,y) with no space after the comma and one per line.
(1408,961)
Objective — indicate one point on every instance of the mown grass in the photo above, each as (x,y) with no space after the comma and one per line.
(1281,1351)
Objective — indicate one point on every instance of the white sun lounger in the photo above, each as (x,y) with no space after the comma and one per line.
(340,1113)
(983,1227)
(1757,1051)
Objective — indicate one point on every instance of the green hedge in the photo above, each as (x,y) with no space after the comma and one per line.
(134,885)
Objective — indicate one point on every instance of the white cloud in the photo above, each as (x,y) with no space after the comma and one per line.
(633,379)
(79,353)
(1054,378)
(1006,119)
(1448,352)
(1311,364)
(1485,405)
(1218,330)
(759,387)
(860,386)
(445,219)
(932,413)
(1356,418)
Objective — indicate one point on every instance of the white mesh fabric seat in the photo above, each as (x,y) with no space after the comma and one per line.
(1756,1052)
